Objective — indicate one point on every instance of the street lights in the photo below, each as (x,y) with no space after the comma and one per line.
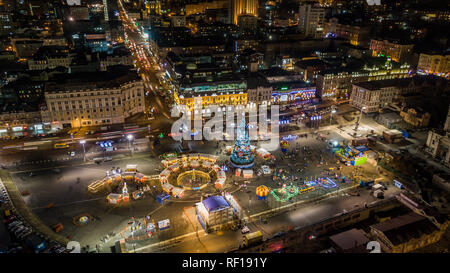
(362,108)
(331,114)
(360,117)
(130,137)
(82,142)
(316,120)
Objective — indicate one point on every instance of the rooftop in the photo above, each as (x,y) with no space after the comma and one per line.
(112,78)
(313,62)
(406,227)
(425,80)
(215,203)
(51,51)
(350,239)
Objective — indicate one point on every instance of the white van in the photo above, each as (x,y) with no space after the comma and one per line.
(377,187)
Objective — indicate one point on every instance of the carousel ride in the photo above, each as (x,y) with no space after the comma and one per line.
(190,173)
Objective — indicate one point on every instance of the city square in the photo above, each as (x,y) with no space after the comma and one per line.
(224,126)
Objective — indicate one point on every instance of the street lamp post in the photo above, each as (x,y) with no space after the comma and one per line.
(130,137)
(82,142)
(331,114)
(319,118)
(360,117)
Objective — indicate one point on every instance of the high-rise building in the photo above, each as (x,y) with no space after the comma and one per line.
(311,19)
(105,9)
(110,9)
(240,7)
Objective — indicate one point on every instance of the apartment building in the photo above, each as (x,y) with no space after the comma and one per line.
(373,96)
(435,64)
(119,56)
(338,83)
(311,20)
(397,51)
(95,99)
(357,35)
(50,57)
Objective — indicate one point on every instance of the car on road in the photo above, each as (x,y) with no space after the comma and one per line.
(17,228)
(24,234)
(382,184)
(60,250)
(279,234)
(245,230)
(20,232)
(13,224)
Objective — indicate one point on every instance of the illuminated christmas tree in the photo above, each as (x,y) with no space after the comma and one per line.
(242,156)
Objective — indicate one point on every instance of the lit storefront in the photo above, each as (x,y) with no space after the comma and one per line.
(292,94)
(229,93)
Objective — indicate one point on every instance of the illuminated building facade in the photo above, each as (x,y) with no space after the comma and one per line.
(105,9)
(396,51)
(201,7)
(240,7)
(213,93)
(373,96)
(293,93)
(415,117)
(338,84)
(153,7)
(212,211)
(99,102)
(357,35)
(438,65)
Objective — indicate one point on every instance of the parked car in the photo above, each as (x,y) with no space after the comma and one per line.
(12,224)
(24,230)
(60,250)
(20,232)
(17,229)
(15,226)
(245,230)
(384,185)
(9,219)
(24,234)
